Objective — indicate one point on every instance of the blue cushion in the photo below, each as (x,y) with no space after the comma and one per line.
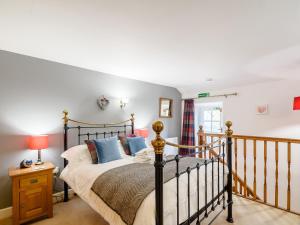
(107,149)
(136,144)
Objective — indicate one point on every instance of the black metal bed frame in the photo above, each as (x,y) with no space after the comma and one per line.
(159,144)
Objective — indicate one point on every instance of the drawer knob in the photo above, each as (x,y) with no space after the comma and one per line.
(33,181)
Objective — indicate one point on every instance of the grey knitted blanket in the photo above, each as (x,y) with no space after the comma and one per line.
(124,188)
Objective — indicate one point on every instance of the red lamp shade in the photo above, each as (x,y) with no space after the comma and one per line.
(142,132)
(297,103)
(38,142)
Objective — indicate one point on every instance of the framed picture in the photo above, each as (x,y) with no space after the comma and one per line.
(262,109)
(165,107)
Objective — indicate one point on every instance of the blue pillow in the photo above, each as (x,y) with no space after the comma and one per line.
(136,144)
(107,149)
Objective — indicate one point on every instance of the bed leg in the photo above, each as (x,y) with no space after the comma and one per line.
(229,164)
(66,187)
(66,192)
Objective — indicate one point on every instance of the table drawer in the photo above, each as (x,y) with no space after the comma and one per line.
(42,179)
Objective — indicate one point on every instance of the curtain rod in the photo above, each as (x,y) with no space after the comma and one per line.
(214,96)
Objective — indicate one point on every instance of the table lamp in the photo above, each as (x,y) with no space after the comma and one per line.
(38,142)
(142,132)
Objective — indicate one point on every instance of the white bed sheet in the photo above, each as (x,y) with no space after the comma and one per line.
(81,177)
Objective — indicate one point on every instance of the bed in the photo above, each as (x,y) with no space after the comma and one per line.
(189,196)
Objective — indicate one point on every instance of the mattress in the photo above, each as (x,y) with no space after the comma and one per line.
(80,177)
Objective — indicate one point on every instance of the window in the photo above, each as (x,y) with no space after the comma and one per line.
(213,120)
(210,116)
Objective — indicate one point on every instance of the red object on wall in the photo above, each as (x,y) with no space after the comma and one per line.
(297,103)
(38,142)
(142,132)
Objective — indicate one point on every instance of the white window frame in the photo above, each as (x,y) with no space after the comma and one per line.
(211,109)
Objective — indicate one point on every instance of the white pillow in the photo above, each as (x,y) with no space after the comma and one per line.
(77,154)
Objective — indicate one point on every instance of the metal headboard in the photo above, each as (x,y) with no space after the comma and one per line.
(96,130)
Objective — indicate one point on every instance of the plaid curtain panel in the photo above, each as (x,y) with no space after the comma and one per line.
(188,127)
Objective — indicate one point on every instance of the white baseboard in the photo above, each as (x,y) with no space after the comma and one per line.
(5,213)
(57,197)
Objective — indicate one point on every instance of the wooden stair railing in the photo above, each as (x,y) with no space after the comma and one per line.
(240,185)
(238,181)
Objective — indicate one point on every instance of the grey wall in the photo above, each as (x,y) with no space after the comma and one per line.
(34,92)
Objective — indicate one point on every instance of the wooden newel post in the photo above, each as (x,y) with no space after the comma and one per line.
(158,144)
(201,140)
(66,120)
(229,133)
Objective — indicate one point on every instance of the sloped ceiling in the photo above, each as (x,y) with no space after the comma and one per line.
(174,43)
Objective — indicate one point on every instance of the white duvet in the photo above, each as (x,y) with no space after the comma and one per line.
(80,177)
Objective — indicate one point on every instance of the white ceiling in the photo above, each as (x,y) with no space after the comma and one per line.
(175,43)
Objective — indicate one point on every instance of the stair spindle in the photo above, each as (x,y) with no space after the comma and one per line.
(245,168)
(205,140)
(265,172)
(211,141)
(289,178)
(276,174)
(254,169)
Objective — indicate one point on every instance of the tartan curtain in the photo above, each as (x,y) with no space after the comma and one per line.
(188,127)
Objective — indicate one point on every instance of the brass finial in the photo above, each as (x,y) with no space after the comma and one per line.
(228,132)
(158,143)
(66,119)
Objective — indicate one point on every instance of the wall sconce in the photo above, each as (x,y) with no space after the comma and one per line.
(123,102)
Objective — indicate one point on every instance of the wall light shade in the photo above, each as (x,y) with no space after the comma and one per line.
(296,103)
(142,132)
(38,142)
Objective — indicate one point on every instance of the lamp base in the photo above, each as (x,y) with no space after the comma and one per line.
(39,161)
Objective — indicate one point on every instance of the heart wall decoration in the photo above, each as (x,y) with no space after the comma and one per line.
(102,102)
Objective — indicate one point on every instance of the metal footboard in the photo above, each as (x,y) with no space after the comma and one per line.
(218,196)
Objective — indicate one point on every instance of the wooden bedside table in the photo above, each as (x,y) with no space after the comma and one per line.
(32,192)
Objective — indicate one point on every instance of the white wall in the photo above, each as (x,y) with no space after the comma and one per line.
(281,121)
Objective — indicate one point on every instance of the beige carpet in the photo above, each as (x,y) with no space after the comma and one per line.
(76,212)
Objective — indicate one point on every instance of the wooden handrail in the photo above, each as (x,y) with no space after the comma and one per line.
(241,187)
(258,138)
